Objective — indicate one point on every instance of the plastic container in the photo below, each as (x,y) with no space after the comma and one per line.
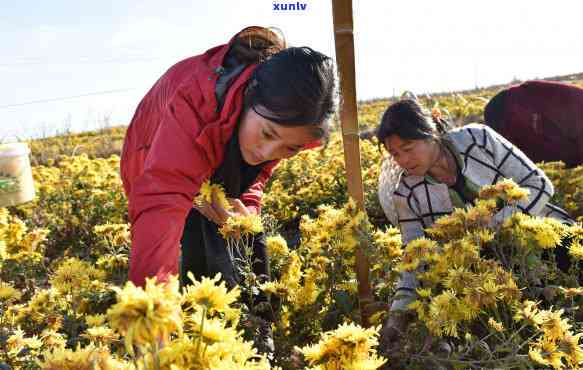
(16,183)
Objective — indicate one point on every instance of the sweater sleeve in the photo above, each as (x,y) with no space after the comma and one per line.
(411,225)
(162,195)
(512,163)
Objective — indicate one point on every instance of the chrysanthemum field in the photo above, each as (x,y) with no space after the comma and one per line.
(491,297)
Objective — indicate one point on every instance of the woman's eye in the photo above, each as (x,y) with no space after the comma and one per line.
(266,134)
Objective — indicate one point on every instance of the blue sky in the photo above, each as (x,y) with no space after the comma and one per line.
(108,53)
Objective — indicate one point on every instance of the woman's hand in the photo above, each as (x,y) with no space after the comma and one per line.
(217,213)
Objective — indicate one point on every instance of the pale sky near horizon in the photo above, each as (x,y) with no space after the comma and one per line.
(82,64)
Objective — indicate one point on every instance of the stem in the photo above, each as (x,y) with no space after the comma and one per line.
(526,342)
(155,354)
(469,350)
(249,267)
(200,337)
(509,340)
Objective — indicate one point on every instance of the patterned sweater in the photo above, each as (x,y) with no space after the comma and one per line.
(485,158)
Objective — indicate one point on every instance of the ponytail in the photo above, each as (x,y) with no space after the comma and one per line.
(257,44)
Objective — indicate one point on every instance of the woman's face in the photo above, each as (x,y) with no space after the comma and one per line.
(414,156)
(262,140)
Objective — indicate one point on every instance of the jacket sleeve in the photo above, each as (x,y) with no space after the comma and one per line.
(387,184)
(411,225)
(252,197)
(162,195)
(512,163)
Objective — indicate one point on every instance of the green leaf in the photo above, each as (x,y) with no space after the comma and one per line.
(532,261)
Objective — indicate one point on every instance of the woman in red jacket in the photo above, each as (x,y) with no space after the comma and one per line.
(228,115)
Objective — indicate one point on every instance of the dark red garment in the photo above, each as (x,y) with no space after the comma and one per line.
(543,118)
(175,142)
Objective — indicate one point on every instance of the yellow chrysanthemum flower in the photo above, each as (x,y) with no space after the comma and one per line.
(86,358)
(496,325)
(210,330)
(101,335)
(52,340)
(146,315)
(240,226)
(8,293)
(276,247)
(572,349)
(209,294)
(553,325)
(344,347)
(576,250)
(275,287)
(74,275)
(209,192)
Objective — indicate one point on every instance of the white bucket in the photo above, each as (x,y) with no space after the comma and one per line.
(16,183)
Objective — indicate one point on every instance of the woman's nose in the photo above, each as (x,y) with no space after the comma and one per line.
(267,151)
(403,161)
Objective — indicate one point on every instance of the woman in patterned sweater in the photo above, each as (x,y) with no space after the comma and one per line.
(442,171)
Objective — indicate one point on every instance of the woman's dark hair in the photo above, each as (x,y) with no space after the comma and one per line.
(409,120)
(295,87)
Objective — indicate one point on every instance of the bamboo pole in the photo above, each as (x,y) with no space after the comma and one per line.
(344,39)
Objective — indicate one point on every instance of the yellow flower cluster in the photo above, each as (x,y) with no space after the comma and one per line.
(531,233)
(193,329)
(210,193)
(240,226)
(507,190)
(476,217)
(315,177)
(61,254)
(113,234)
(17,241)
(73,196)
(318,277)
(568,184)
(347,347)
(576,248)
(210,295)
(462,283)
(145,316)
(8,293)
(344,228)
(87,358)
(74,276)
(95,144)
(277,248)
(461,288)
(557,346)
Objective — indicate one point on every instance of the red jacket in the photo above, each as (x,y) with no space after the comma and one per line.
(543,118)
(175,142)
